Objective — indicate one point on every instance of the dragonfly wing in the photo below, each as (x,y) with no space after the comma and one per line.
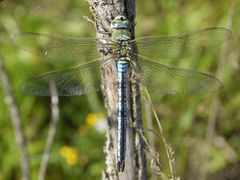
(57,48)
(170,80)
(77,80)
(182,45)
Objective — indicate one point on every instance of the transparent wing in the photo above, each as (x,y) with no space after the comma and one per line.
(170,80)
(78,80)
(57,48)
(181,45)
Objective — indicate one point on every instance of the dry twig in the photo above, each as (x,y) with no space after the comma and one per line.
(16,120)
(52,131)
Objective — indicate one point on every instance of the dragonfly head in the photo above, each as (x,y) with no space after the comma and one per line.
(121,22)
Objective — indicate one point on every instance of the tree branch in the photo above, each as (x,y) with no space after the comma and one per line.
(104,11)
(52,131)
(16,120)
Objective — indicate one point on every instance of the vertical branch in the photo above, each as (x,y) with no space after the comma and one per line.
(16,120)
(52,131)
(214,108)
(104,11)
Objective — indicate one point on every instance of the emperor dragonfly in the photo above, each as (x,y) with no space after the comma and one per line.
(83,79)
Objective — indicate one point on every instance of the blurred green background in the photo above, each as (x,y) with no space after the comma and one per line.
(188,121)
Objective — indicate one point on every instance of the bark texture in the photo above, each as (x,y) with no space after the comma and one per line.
(104,11)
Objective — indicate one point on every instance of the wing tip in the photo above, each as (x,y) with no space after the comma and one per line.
(14,37)
(28,88)
(215,85)
(227,32)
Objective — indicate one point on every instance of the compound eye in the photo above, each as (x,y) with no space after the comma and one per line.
(122,18)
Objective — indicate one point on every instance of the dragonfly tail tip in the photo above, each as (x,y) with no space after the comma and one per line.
(120,166)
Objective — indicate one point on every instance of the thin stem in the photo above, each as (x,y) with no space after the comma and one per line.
(16,120)
(149,122)
(220,71)
(168,148)
(52,131)
(214,109)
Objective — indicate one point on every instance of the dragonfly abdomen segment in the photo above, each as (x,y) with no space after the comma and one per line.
(122,68)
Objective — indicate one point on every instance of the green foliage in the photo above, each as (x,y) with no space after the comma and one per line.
(78,147)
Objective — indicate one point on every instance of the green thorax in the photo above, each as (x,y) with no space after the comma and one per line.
(121,28)
(121,33)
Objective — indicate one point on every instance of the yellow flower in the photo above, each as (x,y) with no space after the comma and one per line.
(91,119)
(69,154)
(97,121)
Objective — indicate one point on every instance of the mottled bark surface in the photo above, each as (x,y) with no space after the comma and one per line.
(104,11)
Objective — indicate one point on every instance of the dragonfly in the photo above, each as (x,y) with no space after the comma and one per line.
(85,78)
